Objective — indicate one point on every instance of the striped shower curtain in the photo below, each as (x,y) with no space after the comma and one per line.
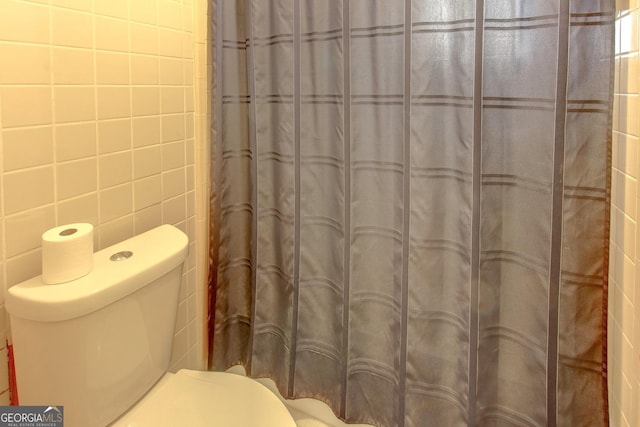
(410,206)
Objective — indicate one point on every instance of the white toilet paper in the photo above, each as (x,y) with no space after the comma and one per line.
(67,253)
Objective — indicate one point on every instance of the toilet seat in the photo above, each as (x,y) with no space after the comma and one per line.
(198,399)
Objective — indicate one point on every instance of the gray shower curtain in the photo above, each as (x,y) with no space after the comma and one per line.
(410,206)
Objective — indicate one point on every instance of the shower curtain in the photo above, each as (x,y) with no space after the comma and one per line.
(410,206)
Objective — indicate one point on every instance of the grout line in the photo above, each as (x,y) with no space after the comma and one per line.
(53,123)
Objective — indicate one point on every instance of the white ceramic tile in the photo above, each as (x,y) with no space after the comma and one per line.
(636,399)
(190,151)
(23,231)
(189,125)
(72,66)
(191,204)
(147,161)
(628,30)
(615,114)
(190,177)
(191,256)
(187,43)
(116,231)
(179,344)
(27,147)
(170,14)
(624,313)
(173,127)
(616,362)
(147,218)
(111,34)
(173,183)
(192,305)
(626,400)
(617,139)
(27,189)
(71,28)
(75,141)
(24,64)
(628,359)
(25,105)
(74,104)
(196,358)
(174,210)
(181,317)
(79,209)
(202,98)
(617,190)
(628,114)
(630,234)
(189,99)
(201,52)
(189,75)
(172,99)
(145,101)
(83,5)
(617,225)
(114,135)
(619,266)
(627,79)
(76,178)
(116,202)
(112,68)
(113,102)
(24,22)
(144,11)
(182,296)
(636,331)
(144,38)
(23,267)
(628,277)
(144,70)
(187,18)
(114,169)
(630,196)
(200,24)
(171,71)
(169,42)
(112,8)
(147,192)
(625,150)
(624,356)
(173,155)
(146,131)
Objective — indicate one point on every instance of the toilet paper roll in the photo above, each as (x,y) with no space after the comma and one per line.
(67,253)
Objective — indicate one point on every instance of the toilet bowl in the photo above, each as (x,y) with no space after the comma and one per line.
(100,346)
(204,399)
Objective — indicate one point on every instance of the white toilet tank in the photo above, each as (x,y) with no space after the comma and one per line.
(97,344)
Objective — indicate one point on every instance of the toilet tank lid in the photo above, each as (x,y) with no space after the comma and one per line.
(153,254)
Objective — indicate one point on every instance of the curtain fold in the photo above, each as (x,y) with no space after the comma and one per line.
(411,206)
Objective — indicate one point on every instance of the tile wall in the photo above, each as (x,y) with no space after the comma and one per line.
(624,271)
(103,112)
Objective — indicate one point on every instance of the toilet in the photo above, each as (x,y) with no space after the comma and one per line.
(100,346)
